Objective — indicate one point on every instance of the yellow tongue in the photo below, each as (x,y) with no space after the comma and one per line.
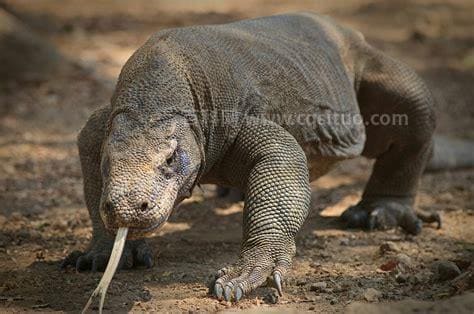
(114,260)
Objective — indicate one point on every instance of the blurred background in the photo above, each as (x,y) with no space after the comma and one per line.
(59,60)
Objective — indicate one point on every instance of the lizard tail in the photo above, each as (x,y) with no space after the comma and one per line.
(449,153)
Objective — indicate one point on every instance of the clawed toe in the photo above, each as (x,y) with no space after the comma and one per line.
(148,261)
(84,262)
(430,217)
(277,281)
(233,285)
(218,290)
(228,292)
(385,214)
(355,217)
(96,259)
(71,259)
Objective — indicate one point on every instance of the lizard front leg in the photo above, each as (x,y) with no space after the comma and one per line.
(272,167)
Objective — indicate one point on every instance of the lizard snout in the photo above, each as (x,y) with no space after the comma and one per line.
(139,214)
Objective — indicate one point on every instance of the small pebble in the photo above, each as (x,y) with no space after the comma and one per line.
(445,270)
(402,278)
(344,242)
(271,298)
(372,295)
(301,282)
(388,247)
(318,286)
(404,260)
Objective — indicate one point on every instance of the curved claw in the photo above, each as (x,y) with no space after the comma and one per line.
(218,290)
(97,265)
(417,228)
(227,293)
(277,280)
(438,220)
(353,217)
(242,279)
(148,261)
(83,263)
(430,217)
(71,259)
(386,214)
(372,222)
(238,294)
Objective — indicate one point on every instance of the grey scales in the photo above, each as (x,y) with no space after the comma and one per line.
(265,106)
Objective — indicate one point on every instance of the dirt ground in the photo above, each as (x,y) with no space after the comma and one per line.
(43,215)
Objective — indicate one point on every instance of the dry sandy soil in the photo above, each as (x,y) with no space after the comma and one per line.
(43,216)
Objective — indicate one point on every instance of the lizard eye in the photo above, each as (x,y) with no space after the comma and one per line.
(170,159)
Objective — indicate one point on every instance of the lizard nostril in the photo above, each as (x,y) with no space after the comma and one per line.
(144,206)
(108,207)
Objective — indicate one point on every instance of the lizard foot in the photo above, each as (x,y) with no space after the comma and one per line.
(233,282)
(136,252)
(384,214)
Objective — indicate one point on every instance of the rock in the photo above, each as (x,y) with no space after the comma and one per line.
(318,286)
(271,298)
(415,279)
(309,298)
(301,282)
(338,288)
(388,247)
(389,265)
(372,295)
(458,304)
(404,261)
(445,270)
(400,263)
(417,35)
(392,237)
(402,278)
(463,264)
(344,242)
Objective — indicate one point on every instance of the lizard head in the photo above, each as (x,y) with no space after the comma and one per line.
(147,167)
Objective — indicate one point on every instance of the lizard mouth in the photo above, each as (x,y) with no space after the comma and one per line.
(135,232)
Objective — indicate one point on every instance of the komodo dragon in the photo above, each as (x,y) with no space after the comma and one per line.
(229,105)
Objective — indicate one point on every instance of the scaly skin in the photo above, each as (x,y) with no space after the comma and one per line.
(209,104)
(97,255)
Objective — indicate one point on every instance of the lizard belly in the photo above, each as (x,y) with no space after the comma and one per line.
(319,166)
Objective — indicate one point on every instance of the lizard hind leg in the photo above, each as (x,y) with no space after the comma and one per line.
(401,145)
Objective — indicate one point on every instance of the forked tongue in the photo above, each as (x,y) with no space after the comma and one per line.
(110,270)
